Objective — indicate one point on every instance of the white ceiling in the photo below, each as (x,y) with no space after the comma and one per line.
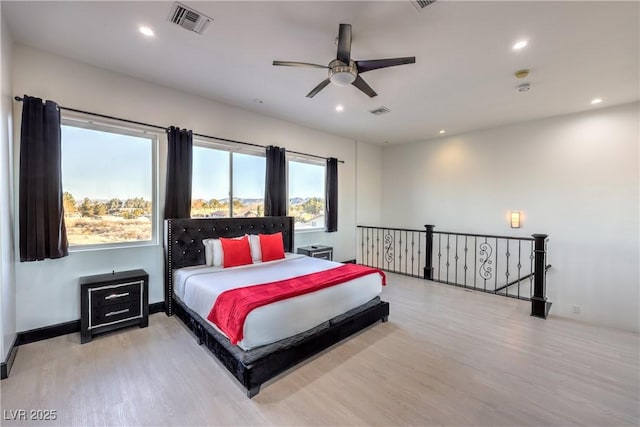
(462,80)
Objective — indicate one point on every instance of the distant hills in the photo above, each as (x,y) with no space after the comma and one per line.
(245,201)
(292,201)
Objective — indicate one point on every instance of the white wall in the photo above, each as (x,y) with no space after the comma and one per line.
(368,184)
(47,291)
(574,177)
(7,270)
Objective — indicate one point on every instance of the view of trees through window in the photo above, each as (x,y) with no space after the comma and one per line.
(212,188)
(306,194)
(107,180)
(108,184)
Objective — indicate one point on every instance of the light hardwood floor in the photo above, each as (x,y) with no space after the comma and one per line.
(446,357)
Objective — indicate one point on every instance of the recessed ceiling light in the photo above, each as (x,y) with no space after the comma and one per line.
(596,100)
(339,108)
(146,31)
(520,44)
(442,131)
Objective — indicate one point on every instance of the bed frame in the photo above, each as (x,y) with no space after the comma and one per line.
(183,248)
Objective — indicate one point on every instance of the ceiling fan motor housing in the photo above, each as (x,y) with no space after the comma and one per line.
(342,75)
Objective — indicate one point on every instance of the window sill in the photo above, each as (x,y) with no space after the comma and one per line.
(309,230)
(111,246)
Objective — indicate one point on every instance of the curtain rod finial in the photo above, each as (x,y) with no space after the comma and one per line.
(17,98)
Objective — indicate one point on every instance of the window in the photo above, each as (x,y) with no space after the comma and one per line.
(248,184)
(108,177)
(306,194)
(220,175)
(210,183)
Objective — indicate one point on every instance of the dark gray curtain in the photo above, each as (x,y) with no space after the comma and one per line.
(177,203)
(331,200)
(42,230)
(275,195)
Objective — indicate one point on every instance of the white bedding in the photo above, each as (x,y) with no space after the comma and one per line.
(199,286)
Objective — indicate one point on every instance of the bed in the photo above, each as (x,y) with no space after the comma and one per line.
(253,362)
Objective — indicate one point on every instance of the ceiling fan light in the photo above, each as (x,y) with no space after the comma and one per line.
(342,78)
(342,75)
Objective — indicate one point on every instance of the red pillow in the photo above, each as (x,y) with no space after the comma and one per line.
(272,246)
(236,252)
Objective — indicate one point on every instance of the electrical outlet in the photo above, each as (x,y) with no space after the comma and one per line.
(576,309)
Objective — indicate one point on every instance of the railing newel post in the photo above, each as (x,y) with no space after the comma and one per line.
(539,305)
(428,265)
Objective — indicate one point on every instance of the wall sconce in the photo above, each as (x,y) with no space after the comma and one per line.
(515,219)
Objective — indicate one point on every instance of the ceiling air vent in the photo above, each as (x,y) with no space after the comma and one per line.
(421,4)
(188,18)
(380,110)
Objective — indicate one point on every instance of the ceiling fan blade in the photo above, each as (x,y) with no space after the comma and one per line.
(363,86)
(344,43)
(374,64)
(298,64)
(318,88)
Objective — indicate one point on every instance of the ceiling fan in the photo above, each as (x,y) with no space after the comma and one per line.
(343,70)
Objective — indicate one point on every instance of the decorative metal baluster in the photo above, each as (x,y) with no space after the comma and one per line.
(506,274)
(495,285)
(475,260)
(448,247)
(388,251)
(466,249)
(374,248)
(406,251)
(361,257)
(365,246)
(419,250)
(383,250)
(394,244)
(400,253)
(456,258)
(377,248)
(439,253)
(365,257)
(413,247)
(531,257)
(369,232)
(519,265)
(485,267)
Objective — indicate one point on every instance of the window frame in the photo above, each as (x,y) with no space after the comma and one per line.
(312,161)
(140,132)
(216,145)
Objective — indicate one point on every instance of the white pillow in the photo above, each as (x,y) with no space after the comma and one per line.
(213,254)
(254,244)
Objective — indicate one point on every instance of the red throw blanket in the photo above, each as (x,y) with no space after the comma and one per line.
(233,306)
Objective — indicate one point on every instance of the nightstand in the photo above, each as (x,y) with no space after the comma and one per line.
(113,301)
(317,251)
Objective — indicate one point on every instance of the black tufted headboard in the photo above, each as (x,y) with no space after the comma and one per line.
(183,241)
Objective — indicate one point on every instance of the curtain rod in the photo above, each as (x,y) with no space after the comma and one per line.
(104,116)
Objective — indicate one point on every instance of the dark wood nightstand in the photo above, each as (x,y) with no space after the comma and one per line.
(112,301)
(317,251)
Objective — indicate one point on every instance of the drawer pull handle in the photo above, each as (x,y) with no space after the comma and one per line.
(115,313)
(112,296)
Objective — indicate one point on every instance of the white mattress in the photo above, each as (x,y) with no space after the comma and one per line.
(198,287)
